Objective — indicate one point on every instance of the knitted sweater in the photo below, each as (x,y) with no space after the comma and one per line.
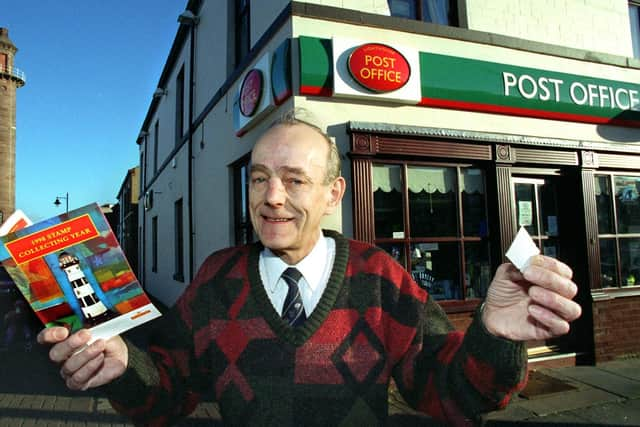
(224,338)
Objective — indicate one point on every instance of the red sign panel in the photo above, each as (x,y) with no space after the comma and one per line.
(378,67)
(52,239)
(251,92)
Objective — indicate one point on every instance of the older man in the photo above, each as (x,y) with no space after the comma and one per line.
(308,327)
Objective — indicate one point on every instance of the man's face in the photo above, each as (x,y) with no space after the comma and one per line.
(288,196)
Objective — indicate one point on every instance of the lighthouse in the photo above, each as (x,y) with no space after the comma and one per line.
(11,78)
(93,310)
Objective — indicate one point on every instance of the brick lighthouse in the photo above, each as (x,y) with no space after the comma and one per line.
(11,78)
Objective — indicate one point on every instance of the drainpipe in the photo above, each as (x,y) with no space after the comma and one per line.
(192,48)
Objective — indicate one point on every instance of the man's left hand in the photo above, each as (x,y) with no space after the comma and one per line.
(534,304)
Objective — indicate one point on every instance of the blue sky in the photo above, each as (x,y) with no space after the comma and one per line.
(91,67)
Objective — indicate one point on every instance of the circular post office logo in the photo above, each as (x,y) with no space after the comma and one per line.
(378,67)
(251,92)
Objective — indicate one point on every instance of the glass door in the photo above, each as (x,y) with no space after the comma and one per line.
(536,209)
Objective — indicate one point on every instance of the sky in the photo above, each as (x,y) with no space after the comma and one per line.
(91,68)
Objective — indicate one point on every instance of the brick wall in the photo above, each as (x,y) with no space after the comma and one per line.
(616,328)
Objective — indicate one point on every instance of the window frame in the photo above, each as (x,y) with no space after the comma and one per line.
(453,19)
(154,244)
(242,225)
(178,232)
(408,241)
(179,127)
(614,235)
(634,28)
(156,145)
(242,39)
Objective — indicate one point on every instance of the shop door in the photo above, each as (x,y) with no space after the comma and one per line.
(540,209)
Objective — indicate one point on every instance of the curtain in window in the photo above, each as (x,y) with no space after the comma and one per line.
(436,11)
(427,179)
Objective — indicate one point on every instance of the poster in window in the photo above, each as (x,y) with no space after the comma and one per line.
(525,213)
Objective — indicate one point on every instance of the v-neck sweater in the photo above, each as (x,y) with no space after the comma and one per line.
(223,339)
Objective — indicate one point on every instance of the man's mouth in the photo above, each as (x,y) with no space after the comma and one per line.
(271,219)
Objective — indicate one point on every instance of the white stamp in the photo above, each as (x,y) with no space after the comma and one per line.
(522,249)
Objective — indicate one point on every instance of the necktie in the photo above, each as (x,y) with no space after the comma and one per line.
(292,309)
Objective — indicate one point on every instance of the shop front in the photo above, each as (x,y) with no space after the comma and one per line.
(446,201)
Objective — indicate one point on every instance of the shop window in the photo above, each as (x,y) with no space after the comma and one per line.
(443,12)
(634,22)
(433,221)
(618,205)
(241,218)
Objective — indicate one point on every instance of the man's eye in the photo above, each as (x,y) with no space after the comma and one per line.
(294,182)
(258,180)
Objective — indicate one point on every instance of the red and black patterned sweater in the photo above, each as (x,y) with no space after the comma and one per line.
(373,322)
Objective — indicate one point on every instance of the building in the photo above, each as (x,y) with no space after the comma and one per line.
(459,122)
(127,224)
(11,78)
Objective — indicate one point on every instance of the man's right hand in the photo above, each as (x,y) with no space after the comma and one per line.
(85,366)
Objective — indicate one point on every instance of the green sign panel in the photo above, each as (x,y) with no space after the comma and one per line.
(461,83)
(469,84)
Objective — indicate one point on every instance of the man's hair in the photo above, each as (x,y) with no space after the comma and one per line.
(294,117)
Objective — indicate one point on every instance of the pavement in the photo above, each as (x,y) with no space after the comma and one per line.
(608,394)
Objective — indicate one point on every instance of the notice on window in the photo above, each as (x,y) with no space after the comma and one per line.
(525,213)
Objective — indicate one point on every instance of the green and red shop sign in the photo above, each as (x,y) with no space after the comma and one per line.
(469,84)
(379,68)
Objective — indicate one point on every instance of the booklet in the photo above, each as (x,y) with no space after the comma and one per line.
(15,222)
(73,273)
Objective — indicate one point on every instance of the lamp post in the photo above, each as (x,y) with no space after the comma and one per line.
(57,202)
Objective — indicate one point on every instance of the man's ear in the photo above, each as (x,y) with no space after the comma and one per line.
(336,192)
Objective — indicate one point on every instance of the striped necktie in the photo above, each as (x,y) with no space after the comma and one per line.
(292,309)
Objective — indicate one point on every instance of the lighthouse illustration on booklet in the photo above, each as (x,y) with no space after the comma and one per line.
(73,273)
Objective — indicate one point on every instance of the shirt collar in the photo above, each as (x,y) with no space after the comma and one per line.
(311,266)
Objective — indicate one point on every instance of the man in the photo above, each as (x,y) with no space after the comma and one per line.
(277,348)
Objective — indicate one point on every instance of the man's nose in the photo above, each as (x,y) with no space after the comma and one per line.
(276,193)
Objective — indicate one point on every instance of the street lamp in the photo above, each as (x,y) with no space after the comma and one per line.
(66,199)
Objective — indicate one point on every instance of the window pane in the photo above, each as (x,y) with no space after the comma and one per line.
(526,207)
(432,201)
(548,208)
(474,204)
(387,201)
(630,261)
(608,264)
(478,269)
(403,8)
(550,247)
(396,251)
(436,11)
(436,267)
(628,203)
(604,205)
(634,22)
(244,194)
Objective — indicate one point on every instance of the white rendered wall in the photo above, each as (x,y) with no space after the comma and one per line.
(595,25)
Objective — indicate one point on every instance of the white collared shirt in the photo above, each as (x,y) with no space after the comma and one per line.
(315,269)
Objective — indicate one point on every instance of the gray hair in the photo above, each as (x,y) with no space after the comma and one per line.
(295,117)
